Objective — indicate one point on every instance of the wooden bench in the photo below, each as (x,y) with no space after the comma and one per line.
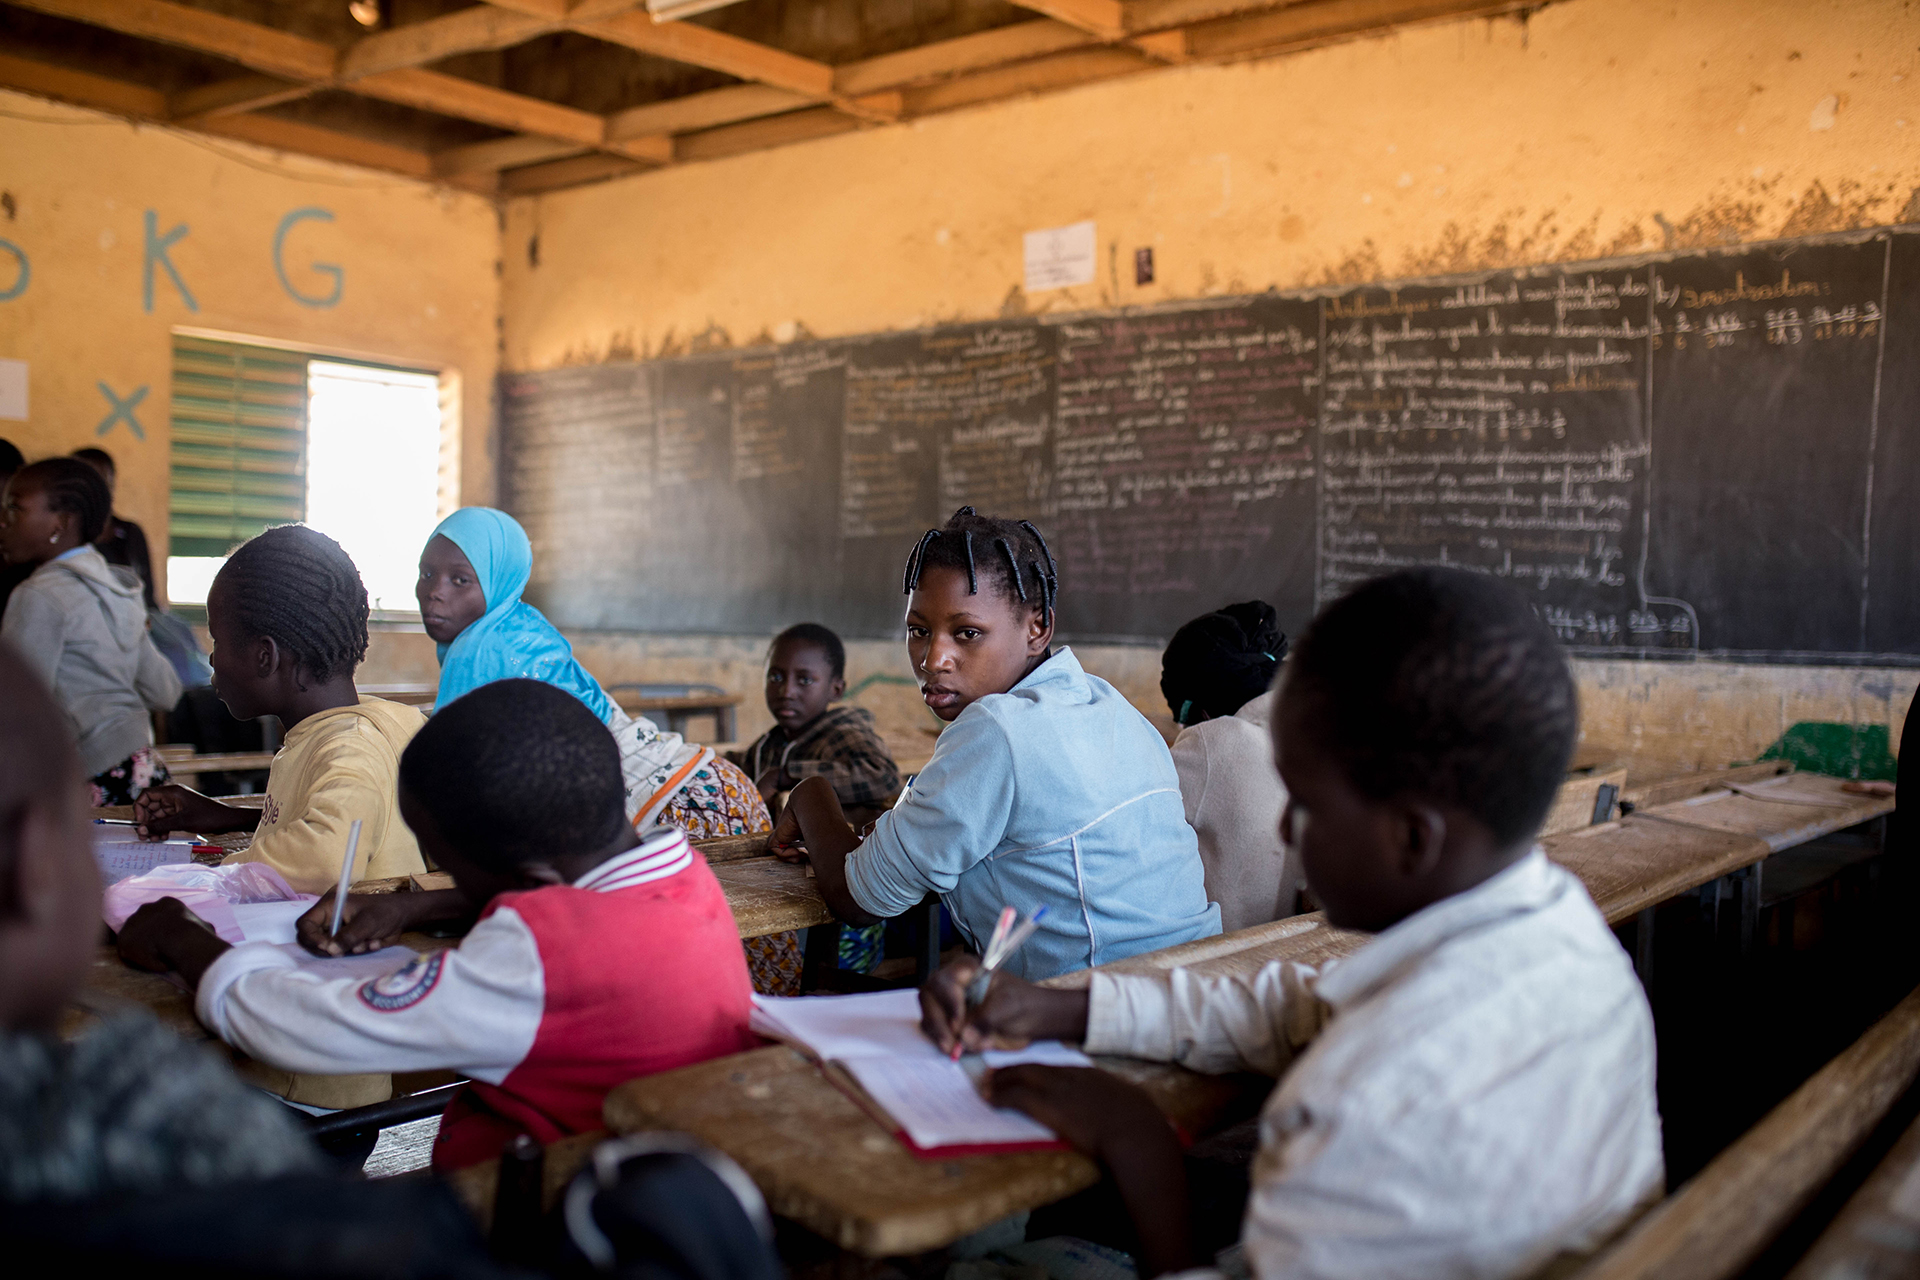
(1876,1236)
(1720,1221)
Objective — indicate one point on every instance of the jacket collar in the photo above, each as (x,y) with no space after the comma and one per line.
(1062,671)
(1525,887)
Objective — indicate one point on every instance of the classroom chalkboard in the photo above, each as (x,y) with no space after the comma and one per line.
(1712,452)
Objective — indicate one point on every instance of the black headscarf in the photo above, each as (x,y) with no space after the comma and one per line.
(1219,661)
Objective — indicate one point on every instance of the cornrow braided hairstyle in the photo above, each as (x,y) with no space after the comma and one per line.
(1444,685)
(299,587)
(71,485)
(1010,553)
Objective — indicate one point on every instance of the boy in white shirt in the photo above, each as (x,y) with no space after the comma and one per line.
(1472,1092)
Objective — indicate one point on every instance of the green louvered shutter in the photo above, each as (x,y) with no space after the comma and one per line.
(239,443)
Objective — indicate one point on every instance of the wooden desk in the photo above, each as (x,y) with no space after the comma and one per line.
(679,710)
(1877,1235)
(1723,1219)
(413,694)
(825,1163)
(190,766)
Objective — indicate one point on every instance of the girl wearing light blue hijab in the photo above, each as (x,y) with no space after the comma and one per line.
(474,567)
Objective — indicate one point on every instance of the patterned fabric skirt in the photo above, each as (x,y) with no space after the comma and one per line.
(123,783)
(720,800)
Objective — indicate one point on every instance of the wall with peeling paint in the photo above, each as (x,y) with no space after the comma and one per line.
(417,284)
(1596,127)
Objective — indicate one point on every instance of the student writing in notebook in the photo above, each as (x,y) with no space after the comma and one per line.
(1047,787)
(600,954)
(1472,1092)
(288,616)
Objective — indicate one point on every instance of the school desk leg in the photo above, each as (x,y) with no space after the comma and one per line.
(820,957)
(1643,949)
(1746,890)
(927,957)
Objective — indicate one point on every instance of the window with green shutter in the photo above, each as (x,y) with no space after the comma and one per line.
(239,453)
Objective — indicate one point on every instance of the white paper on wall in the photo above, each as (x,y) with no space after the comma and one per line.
(1060,257)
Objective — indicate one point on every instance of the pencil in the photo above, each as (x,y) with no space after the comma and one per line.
(346,878)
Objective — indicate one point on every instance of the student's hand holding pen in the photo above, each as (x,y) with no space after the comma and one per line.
(375,920)
(1014,1011)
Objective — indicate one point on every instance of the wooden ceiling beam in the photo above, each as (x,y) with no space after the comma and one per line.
(226,97)
(139,102)
(255,47)
(703,110)
(556,10)
(502,153)
(470,100)
(1062,71)
(1161,15)
(1103,18)
(553,176)
(291,135)
(715,50)
(944,58)
(1304,26)
(758,135)
(81,88)
(482,27)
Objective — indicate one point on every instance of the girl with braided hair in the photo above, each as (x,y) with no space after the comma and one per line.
(1047,789)
(288,615)
(81,625)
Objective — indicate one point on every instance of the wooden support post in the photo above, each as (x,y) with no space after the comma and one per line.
(1643,948)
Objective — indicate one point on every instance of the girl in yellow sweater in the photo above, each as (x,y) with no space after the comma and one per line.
(288,615)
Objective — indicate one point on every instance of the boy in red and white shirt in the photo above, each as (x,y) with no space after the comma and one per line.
(600,955)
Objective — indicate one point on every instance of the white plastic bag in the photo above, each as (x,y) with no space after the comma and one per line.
(209,892)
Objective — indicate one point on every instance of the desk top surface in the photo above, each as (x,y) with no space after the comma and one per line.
(824,1162)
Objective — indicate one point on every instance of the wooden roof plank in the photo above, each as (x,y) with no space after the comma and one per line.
(81,88)
(249,44)
(758,135)
(1306,25)
(1061,71)
(291,135)
(1103,18)
(943,58)
(703,110)
(596,167)
(241,93)
(1160,15)
(467,99)
(716,50)
(482,27)
(502,153)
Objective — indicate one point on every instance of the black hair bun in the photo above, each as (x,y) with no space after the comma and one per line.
(1220,661)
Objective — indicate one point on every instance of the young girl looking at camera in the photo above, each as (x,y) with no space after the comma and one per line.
(1047,789)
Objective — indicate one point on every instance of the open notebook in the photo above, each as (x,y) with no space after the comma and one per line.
(929,1101)
(121,852)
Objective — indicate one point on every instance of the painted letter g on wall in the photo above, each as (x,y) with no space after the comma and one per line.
(324,268)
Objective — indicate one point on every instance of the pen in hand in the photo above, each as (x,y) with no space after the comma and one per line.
(1006,940)
(346,878)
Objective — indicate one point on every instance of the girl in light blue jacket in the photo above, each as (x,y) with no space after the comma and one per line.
(1047,789)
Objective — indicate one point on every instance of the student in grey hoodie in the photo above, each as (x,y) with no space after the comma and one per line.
(81,625)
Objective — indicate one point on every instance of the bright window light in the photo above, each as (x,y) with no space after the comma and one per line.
(373,470)
(189,578)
